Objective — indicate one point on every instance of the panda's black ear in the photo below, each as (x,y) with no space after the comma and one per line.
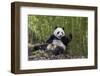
(56,27)
(63,28)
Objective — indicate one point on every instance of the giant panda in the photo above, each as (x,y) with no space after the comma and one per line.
(56,43)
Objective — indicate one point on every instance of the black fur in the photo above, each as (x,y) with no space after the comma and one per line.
(58,50)
(64,39)
(40,47)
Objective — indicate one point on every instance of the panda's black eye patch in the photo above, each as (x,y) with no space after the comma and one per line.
(62,33)
(58,32)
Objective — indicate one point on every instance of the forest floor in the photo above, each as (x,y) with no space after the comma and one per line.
(45,55)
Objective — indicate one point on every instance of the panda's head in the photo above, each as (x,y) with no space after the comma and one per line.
(59,32)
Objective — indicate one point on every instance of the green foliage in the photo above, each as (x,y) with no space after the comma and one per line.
(41,27)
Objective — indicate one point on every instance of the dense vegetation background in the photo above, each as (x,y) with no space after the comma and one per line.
(41,27)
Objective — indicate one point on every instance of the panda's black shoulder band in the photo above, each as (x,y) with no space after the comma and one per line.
(50,39)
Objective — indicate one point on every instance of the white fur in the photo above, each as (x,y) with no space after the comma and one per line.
(51,47)
(60,35)
(59,43)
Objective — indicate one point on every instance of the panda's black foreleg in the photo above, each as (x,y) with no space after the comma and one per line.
(40,47)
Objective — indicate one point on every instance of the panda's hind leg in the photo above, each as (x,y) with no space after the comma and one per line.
(58,50)
(40,47)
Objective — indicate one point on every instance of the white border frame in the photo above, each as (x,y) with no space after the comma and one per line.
(25,64)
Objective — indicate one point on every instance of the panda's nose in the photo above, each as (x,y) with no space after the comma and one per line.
(60,35)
